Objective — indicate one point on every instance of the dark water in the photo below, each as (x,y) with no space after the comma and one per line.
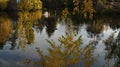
(17,46)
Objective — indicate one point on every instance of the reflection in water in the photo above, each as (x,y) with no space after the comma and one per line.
(115,23)
(95,30)
(38,26)
(13,38)
(50,24)
(25,24)
(68,52)
(5,29)
(113,48)
(49,20)
(70,25)
(33,28)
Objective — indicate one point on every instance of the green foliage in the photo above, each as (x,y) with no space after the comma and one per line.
(29,5)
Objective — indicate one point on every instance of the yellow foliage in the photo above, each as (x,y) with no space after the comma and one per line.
(25,23)
(67,52)
(88,55)
(85,7)
(88,8)
(29,5)
(65,13)
(102,1)
(5,28)
(76,6)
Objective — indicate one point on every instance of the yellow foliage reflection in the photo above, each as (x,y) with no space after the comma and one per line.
(5,28)
(25,23)
(65,13)
(96,27)
(68,52)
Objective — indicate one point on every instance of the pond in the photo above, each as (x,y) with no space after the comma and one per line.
(24,34)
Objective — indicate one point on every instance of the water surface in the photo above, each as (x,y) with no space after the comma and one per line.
(18,46)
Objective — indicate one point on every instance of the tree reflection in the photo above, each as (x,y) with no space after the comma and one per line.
(5,28)
(100,24)
(50,21)
(115,22)
(66,53)
(113,48)
(51,25)
(39,26)
(70,26)
(13,39)
(95,28)
(25,24)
